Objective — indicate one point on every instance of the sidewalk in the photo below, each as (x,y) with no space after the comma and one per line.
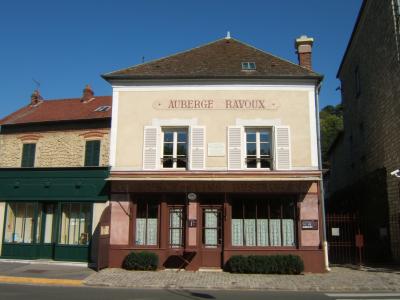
(43,272)
(340,279)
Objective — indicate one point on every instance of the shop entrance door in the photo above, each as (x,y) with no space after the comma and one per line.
(212,233)
(46,234)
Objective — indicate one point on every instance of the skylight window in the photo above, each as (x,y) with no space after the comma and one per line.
(103,108)
(247,65)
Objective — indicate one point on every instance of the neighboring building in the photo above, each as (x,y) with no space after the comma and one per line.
(214,153)
(53,165)
(365,154)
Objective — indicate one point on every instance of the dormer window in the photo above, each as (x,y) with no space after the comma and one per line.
(103,108)
(248,65)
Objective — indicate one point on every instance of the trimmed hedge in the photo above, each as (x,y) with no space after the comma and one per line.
(144,261)
(269,264)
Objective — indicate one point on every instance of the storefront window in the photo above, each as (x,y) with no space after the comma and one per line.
(176,227)
(146,223)
(20,223)
(75,223)
(263,222)
(212,227)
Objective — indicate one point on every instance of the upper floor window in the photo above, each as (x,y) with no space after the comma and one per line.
(92,153)
(28,155)
(258,148)
(175,148)
(248,65)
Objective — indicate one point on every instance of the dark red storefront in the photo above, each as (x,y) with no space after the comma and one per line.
(208,217)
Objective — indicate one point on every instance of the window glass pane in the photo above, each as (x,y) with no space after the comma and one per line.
(39,223)
(288,223)
(182,136)
(168,148)
(84,224)
(19,223)
(275,222)
(182,149)
(168,136)
(28,155)
(210,220)
(265,136)
(250,222)
(48,227)
(9,230)
(251,162)
(265,162)
(176,227)
(29,223)
(140,231)
(92,153)
(181,162)
(65,208)
(265,149)
(74,224)
(251,149)
(251,136)
(168,162)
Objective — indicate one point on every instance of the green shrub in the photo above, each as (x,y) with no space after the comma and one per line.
(269,264)
(145,261)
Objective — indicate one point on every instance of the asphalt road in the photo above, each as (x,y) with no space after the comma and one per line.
(34,292)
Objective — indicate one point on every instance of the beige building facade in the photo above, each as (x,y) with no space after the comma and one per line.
(216,157)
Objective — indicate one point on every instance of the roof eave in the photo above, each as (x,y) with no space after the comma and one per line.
(107,77)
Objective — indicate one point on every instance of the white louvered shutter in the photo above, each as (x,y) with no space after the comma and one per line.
(235,148)
(282,148)
(197,148)
(150,148)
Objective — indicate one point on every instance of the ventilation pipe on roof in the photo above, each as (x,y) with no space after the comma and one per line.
(303,47)
(88,94)
(36,98)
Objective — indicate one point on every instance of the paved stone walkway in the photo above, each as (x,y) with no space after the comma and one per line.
(339,279)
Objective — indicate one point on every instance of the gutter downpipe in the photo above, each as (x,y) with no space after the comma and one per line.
(324,239)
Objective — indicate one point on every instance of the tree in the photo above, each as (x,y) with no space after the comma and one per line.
(331,123)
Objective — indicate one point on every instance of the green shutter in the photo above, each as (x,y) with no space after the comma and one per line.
(92,153)
(28,155)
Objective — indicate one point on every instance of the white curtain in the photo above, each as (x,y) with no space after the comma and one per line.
(237,232)
(140,231)
(175,221)
(211,224)
(152,231)
(262,232)
(288,232)
(275,232)
(250,232)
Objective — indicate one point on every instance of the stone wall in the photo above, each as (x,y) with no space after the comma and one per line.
(53,148)
(371,117)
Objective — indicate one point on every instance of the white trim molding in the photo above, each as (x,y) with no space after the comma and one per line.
(114,128)
(313,129)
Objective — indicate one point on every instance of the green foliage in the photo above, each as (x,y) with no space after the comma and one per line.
(144,261)
(331,123)
(270,264)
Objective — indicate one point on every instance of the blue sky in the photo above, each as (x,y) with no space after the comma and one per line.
(67,44)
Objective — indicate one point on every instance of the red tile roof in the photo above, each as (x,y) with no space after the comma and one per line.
(60,110)
(220,59)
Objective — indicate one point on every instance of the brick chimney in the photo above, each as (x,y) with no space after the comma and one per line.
(88,94)
(36,98)
(303,47)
